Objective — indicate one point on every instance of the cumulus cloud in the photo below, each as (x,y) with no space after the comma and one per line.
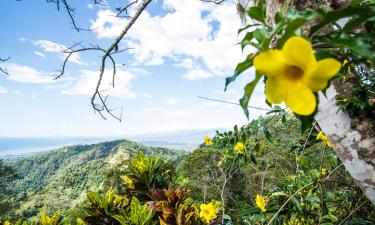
(171,100)
(205,34)
(40,54)
(26,74)
(52,47)
(86,83)
(2,90)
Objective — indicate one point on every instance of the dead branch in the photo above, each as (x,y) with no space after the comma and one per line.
(3,70)
(214,1)
(99,100)
(71,11)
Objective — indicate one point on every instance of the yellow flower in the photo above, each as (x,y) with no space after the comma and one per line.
(293,74)
(207,140)
(322,137)
(208,212)
(240,148)
(324,171)
(7,223)
(261,202)
(129,182)
(344,64)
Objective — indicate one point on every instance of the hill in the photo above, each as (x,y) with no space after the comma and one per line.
(59,179)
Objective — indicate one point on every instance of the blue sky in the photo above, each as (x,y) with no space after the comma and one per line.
(180,50)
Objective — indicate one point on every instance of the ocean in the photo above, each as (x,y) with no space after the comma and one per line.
(16,147)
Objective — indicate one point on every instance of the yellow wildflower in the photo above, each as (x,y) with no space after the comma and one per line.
(324,171)
(240,148)
(293,74)
(129,182)
(7,223)
(261,202)
(208,212)
(344,64)
(208,140)
(322,137)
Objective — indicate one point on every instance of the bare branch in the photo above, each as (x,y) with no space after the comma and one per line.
(124,9)
(71,11)
(98,100)
(3,70)
(214,1)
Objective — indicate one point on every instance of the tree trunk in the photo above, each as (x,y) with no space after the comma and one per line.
(353,139)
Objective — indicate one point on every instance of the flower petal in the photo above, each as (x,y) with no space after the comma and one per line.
(276,90)
(317,77)
(270,62)
(301,99)
(299,52)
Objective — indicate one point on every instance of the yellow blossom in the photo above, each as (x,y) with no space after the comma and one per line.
(324,171)
(293,74)
(344,64)
(240,148)
(129,182)
(208,140)
(322,137)
(208,212)
(7,223)
(261,202)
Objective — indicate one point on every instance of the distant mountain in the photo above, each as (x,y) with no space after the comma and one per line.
(186,139)
(59,179)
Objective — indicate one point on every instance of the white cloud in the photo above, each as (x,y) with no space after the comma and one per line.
(26,74)
(197,74)
(52,47)
(87,82)
(203,33)
(2,90)
(39,54)
(171,100)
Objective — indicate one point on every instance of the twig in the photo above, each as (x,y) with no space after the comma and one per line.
(233,103)
(352,212)
(286,202)
(214,1)
(5,71)
(98,100)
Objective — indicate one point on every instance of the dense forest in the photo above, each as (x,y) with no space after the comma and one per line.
(58,180)
(243,176)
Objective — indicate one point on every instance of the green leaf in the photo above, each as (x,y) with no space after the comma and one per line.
(247,40)
(294,24)
(354,23)
(268,135)
(247,27)
(333,16)
(244,101)
(258,13)
(241,67)
(297,204)
(253,159)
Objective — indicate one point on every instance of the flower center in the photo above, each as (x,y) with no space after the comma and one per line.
(293,72)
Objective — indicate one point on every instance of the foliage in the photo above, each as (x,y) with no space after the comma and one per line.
(58,180)
(7,173)
(351,43)
(174,206)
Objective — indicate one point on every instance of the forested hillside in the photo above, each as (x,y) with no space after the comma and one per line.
(58,180)
(243,176)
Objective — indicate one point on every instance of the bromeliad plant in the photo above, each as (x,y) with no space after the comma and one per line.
(303,52)
(174,207)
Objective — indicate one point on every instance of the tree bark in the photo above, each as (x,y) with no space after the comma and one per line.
(353,141)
